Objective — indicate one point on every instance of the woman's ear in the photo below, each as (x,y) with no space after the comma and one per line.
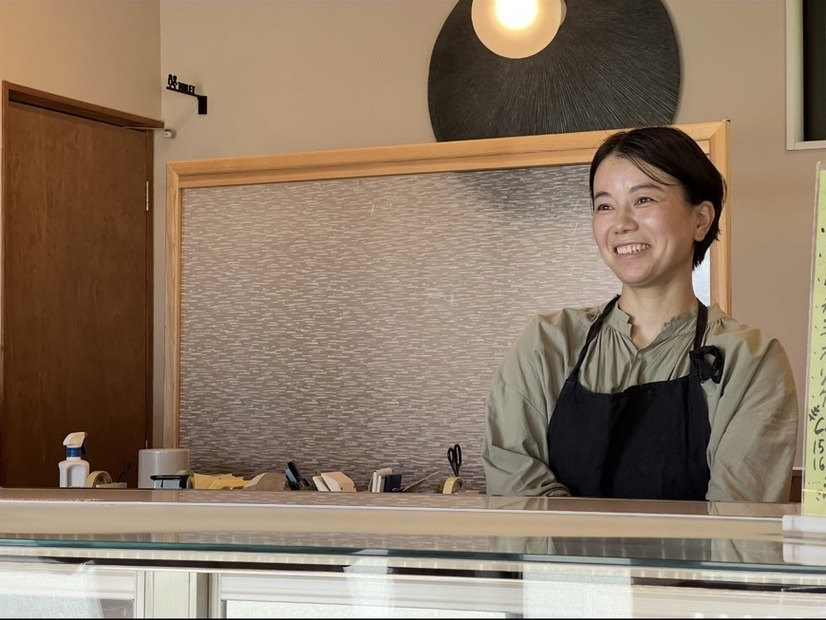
(705,217)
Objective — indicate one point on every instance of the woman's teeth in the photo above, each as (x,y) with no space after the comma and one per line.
(632,248)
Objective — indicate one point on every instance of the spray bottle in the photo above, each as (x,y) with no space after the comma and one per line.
(74,470)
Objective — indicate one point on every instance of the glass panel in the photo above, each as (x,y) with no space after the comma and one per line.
(44,588)
(406,528)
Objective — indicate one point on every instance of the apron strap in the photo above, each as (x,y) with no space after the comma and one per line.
(592,333)
(700,366)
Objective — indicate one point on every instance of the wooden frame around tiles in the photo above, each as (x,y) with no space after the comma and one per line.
(469,155)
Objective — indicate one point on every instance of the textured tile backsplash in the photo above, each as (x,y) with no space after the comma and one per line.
(351,324)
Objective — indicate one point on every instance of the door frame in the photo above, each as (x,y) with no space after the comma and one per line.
(15,94)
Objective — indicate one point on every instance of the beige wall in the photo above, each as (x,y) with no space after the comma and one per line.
(98,51)
(299,75)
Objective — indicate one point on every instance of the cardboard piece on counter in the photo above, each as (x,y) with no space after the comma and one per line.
(320,485)
(337,481)
(268,481)
(221,481)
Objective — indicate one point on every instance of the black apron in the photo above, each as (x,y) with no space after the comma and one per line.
(648,442)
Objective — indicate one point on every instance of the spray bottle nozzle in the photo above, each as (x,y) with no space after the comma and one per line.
(75,444)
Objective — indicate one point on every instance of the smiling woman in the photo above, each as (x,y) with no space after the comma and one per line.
(651,395)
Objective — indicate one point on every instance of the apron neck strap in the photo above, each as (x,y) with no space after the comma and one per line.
(702,321)
(594,330)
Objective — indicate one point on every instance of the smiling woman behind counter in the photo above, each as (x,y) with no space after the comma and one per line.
(651,395)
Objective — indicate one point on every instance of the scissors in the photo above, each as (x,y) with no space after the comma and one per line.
(454,457)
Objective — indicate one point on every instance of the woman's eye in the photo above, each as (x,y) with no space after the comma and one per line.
(602,207)
(643,199)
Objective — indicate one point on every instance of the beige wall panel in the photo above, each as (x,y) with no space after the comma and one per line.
(102,52)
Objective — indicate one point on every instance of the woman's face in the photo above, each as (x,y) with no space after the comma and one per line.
(645,229)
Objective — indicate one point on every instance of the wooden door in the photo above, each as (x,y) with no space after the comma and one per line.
(76,290)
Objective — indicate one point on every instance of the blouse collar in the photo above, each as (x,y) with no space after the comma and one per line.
(679,325)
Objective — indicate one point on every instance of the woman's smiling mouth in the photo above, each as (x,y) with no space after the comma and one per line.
(631,248)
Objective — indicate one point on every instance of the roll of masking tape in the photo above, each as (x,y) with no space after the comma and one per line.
(97,478)
(453,485)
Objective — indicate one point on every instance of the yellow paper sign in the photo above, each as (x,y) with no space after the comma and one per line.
(814,476)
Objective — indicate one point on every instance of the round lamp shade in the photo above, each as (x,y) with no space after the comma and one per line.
(612,64)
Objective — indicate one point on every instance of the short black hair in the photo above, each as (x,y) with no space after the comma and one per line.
(674,152)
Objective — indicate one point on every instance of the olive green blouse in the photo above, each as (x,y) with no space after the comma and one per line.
(753,411)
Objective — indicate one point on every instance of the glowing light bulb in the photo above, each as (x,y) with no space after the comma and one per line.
(516,14)
(516,28)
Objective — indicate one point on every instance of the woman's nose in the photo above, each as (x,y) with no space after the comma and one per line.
(624,220)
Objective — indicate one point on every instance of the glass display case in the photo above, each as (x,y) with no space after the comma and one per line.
(187,553)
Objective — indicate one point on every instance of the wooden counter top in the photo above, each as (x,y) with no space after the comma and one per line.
(104,513)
